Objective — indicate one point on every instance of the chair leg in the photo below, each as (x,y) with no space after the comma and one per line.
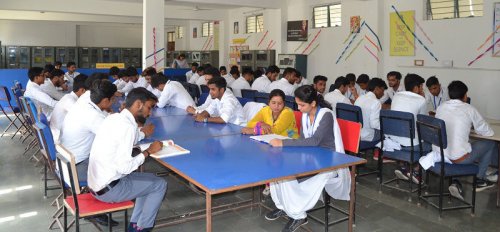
(126,220)
(65,219)
(380,169)
(45,179)
(77,221)
(441,189)
(411,182)
(326,199)
(110,227)
(419,186)
(474,184)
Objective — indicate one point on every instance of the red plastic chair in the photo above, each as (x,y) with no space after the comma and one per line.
(351,132)
(298,120)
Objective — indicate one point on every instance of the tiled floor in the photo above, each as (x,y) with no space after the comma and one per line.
(23,207)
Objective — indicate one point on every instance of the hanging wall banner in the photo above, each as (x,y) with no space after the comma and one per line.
(402,40)
(297,30)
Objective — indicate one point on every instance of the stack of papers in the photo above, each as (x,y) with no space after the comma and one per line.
(169,149)
(268,138)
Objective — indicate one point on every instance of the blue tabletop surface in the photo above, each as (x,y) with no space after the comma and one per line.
(219,164)
(168,111)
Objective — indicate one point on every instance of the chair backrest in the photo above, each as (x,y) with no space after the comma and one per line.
(67,169)
(179,78)
(46,140)
(397,123)
(243,101)
(432,130)
(262,97)
(349,112)
(17,93)
(298,120)
(290,102)
(203,98)
(32,109)
(248,94)
(351,135)
(4,94)
(204,89)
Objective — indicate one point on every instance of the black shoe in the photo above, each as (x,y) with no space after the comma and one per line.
(275,214)
(103,220)
(293,225)
(131,226)
(483,184)
(456,190)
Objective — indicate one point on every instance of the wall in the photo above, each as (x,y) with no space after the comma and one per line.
(110,35)
(37,33)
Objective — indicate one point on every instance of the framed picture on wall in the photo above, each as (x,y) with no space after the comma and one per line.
(236,29)
(195,32)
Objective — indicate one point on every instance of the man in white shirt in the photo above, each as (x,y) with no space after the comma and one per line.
(262,83)
(134,81)
(122,80)
(362,85)
(242,82)
(51,85)
(199,73)
(286,83)
(233,74)
(33,90)
(302,80)
(436,94)
(337,96)
(191,72)
(224,106)
(172,93)
(210,73)
(319,84)
(111,176)
(460,117)
(223,71)
(351,77)
(85,98)
(65,104)
(395,86)
(370,107)
(71,73)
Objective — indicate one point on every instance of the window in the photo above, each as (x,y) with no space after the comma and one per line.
(255,23)
(207,29)
(179,32)
(171,36)
(448,9)
(327,16)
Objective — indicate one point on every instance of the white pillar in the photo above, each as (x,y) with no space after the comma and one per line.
(153,34)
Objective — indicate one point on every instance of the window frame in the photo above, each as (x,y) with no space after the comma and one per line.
(329,18)
(179,32)
(257,28)
(209,31)
(456,10)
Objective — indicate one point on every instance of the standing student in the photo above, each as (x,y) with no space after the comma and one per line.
(51,85)
(275,118)
(286,83)
(319,128)
(209,74)
(35,92)
(71,73)
(180,62)
(234,74)
(395,86)
(111,176)
(338,95)
(65,104)
(460,117)
(370,107)
(191,72)
(362,85)
(199,73)
(172,93)
(224,107)
(436,94)
(319,84)
(242,82)
(262,83)
(412,101)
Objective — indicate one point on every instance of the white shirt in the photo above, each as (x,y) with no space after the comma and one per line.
(60,110)
(359,90)
(156,92)
(238,85)
(194,78)
(370,107)
(85,98)
(335,97)
(407,101)
(284,85)
(229,79)
(261,84)
(228,108)
(141,82)
(390,92)
(201,81)
(41,99)
(304,81)
(120,84)
(79,129)
(433,102)
(174,94)
(70,77)
(459,118)
(110,157)
(189,75)
(49,88)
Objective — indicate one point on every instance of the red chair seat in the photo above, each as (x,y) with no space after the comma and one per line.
(88,205)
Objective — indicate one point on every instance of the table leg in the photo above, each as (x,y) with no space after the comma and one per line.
(353,198)
(209,212)
(498,179)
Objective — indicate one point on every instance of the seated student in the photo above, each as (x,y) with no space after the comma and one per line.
(262,83)
(57,65)
(319,84)
(460,117)
(242,82)
(395,86)
(172,93)
(134,80)
(113,73)
(436,95)
(122,80)
(286,83)
(224,107)
(301,80)
(56,80)
(180,62)
(223,71)
(83,121)
(111,176)
(209,74)
(273,119)
(191,72)
(352,82)
(294,198)
(34,91)
(203,79)
(234,74)
(71,73)
(65,104)
(199,73)
(370,107)
(361,85)
(85,98)
(413,101)
(338,95)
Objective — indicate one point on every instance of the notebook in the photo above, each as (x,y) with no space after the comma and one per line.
(169,149)
(267,138)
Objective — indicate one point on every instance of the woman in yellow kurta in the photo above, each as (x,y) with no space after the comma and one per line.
(274,118)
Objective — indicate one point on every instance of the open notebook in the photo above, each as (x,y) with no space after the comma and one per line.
(268,138)
(169,149)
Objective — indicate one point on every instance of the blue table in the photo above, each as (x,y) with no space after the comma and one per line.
(168,111)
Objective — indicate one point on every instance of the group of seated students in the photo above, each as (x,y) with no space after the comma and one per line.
(102,140)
